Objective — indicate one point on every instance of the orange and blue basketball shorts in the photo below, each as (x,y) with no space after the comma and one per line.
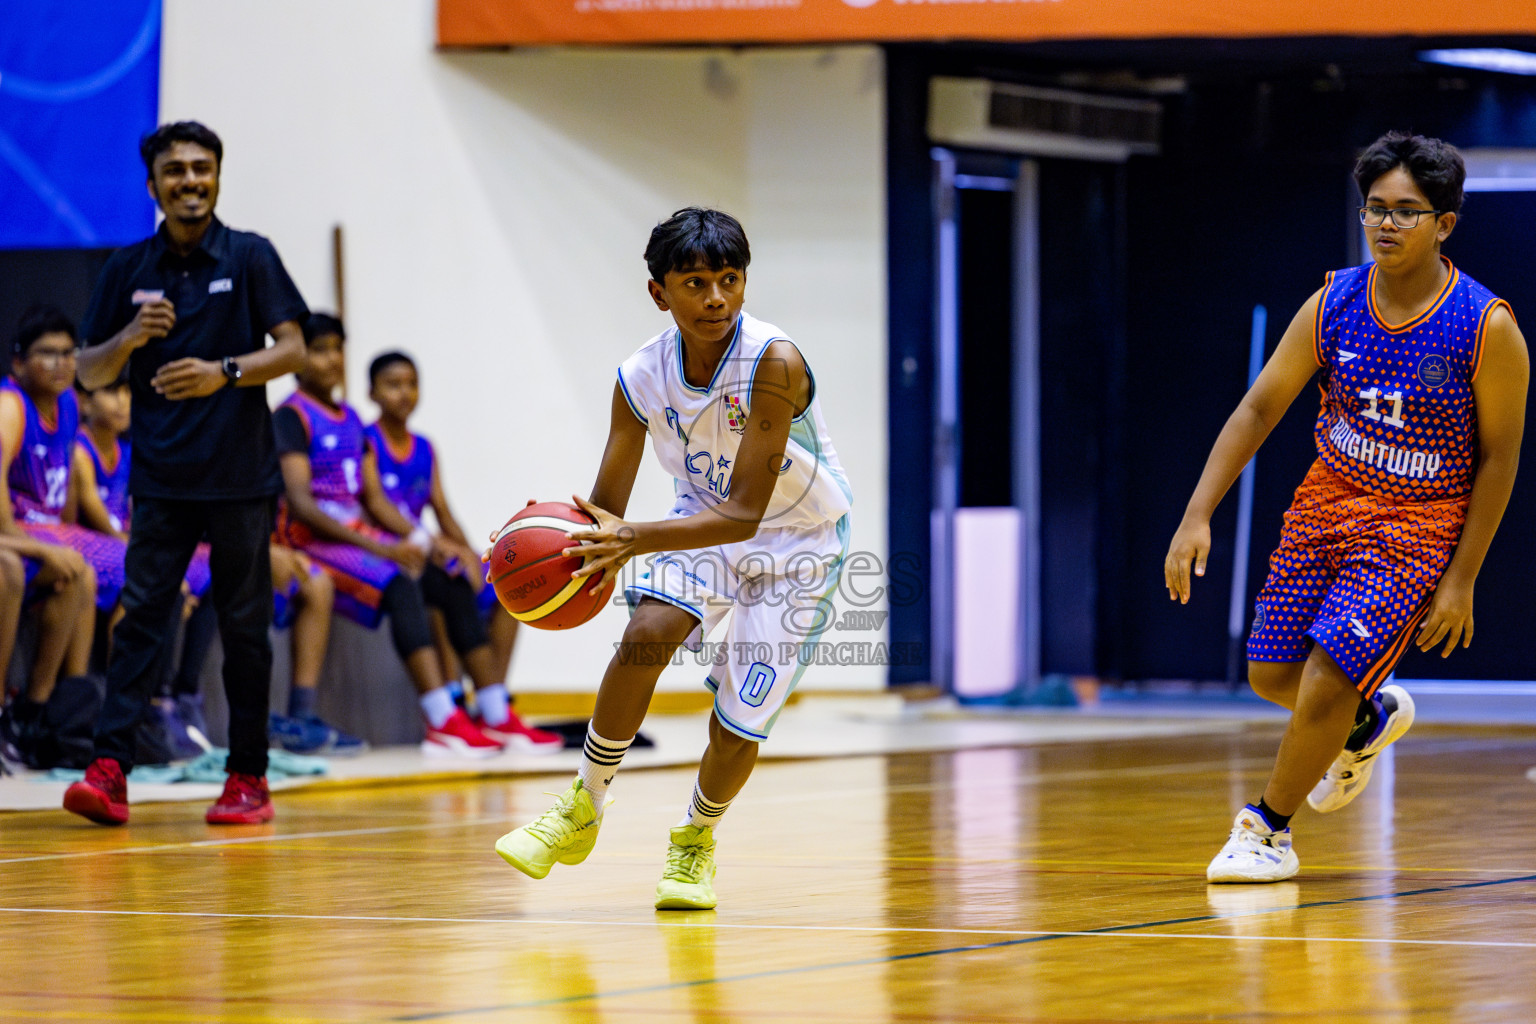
(102,553)
(360,576)
(1354,574)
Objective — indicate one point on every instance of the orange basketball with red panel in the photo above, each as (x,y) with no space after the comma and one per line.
(532,579)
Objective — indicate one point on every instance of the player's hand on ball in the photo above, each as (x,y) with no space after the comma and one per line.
(1191,542)
(1449,618)
(189,378)
(606,546)
(485,556)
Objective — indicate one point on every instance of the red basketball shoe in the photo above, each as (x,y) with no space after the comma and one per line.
(518,735)
(458,737)
(102,796)
(246,801)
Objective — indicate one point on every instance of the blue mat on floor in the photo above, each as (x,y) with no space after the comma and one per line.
(208,768)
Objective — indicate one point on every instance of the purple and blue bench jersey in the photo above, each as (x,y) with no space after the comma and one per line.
(39,474)
(407,480)
(336,448)
(39,483)
(111,486)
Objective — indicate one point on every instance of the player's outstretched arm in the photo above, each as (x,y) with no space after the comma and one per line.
(621,456)
(610,545)
(1499,394)
(1281,380)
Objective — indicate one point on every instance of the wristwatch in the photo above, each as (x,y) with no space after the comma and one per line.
(231,369)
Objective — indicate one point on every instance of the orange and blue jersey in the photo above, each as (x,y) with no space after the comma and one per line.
(1376,521)
(1398,417)
(39,478)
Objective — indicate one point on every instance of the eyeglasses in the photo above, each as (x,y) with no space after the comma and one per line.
(53,356)
(1375,216)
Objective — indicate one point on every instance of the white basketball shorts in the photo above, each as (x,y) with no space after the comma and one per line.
(777,588)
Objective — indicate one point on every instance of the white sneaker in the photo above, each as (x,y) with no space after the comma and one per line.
(1254,852)
(1351,770)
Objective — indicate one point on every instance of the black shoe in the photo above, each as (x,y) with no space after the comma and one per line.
(20,723)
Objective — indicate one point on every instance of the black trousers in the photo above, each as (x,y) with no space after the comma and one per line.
(160,545)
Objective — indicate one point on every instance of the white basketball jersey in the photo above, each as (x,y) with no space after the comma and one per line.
(696,431)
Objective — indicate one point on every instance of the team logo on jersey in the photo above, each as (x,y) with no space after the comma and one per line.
(1433,371)
(672,421)
(1345,357)
(735,415)
(1258,616)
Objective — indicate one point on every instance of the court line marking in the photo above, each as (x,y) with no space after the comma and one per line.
(1018,780)
(1117,931)
(1027,938)
(239,840)
(866,929)
(877,929)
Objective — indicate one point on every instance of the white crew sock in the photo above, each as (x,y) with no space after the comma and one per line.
(702,811)
(599,764)
(437,706)
(495,704)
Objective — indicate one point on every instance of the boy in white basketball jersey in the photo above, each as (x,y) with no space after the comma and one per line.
(760,525)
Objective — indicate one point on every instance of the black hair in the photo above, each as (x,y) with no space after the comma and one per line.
(692,236)
(1435,166)
(38,320)
(384,361)
(318,325)
(167,135)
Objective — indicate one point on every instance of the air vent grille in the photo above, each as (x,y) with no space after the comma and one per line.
(1041,122)
(1111,122)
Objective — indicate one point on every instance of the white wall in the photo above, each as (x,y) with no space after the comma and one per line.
(495,208)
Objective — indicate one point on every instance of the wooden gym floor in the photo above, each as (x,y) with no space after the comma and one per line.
(1059,883)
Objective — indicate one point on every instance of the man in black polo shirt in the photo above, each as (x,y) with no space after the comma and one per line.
(188,311)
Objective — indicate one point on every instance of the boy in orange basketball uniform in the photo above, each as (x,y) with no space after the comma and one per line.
(1418,437)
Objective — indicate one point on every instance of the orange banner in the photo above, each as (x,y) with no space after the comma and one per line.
(543,22)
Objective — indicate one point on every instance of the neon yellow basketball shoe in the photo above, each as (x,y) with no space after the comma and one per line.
(686,882)
(565,833)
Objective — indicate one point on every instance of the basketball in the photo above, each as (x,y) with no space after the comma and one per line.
(532,579)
